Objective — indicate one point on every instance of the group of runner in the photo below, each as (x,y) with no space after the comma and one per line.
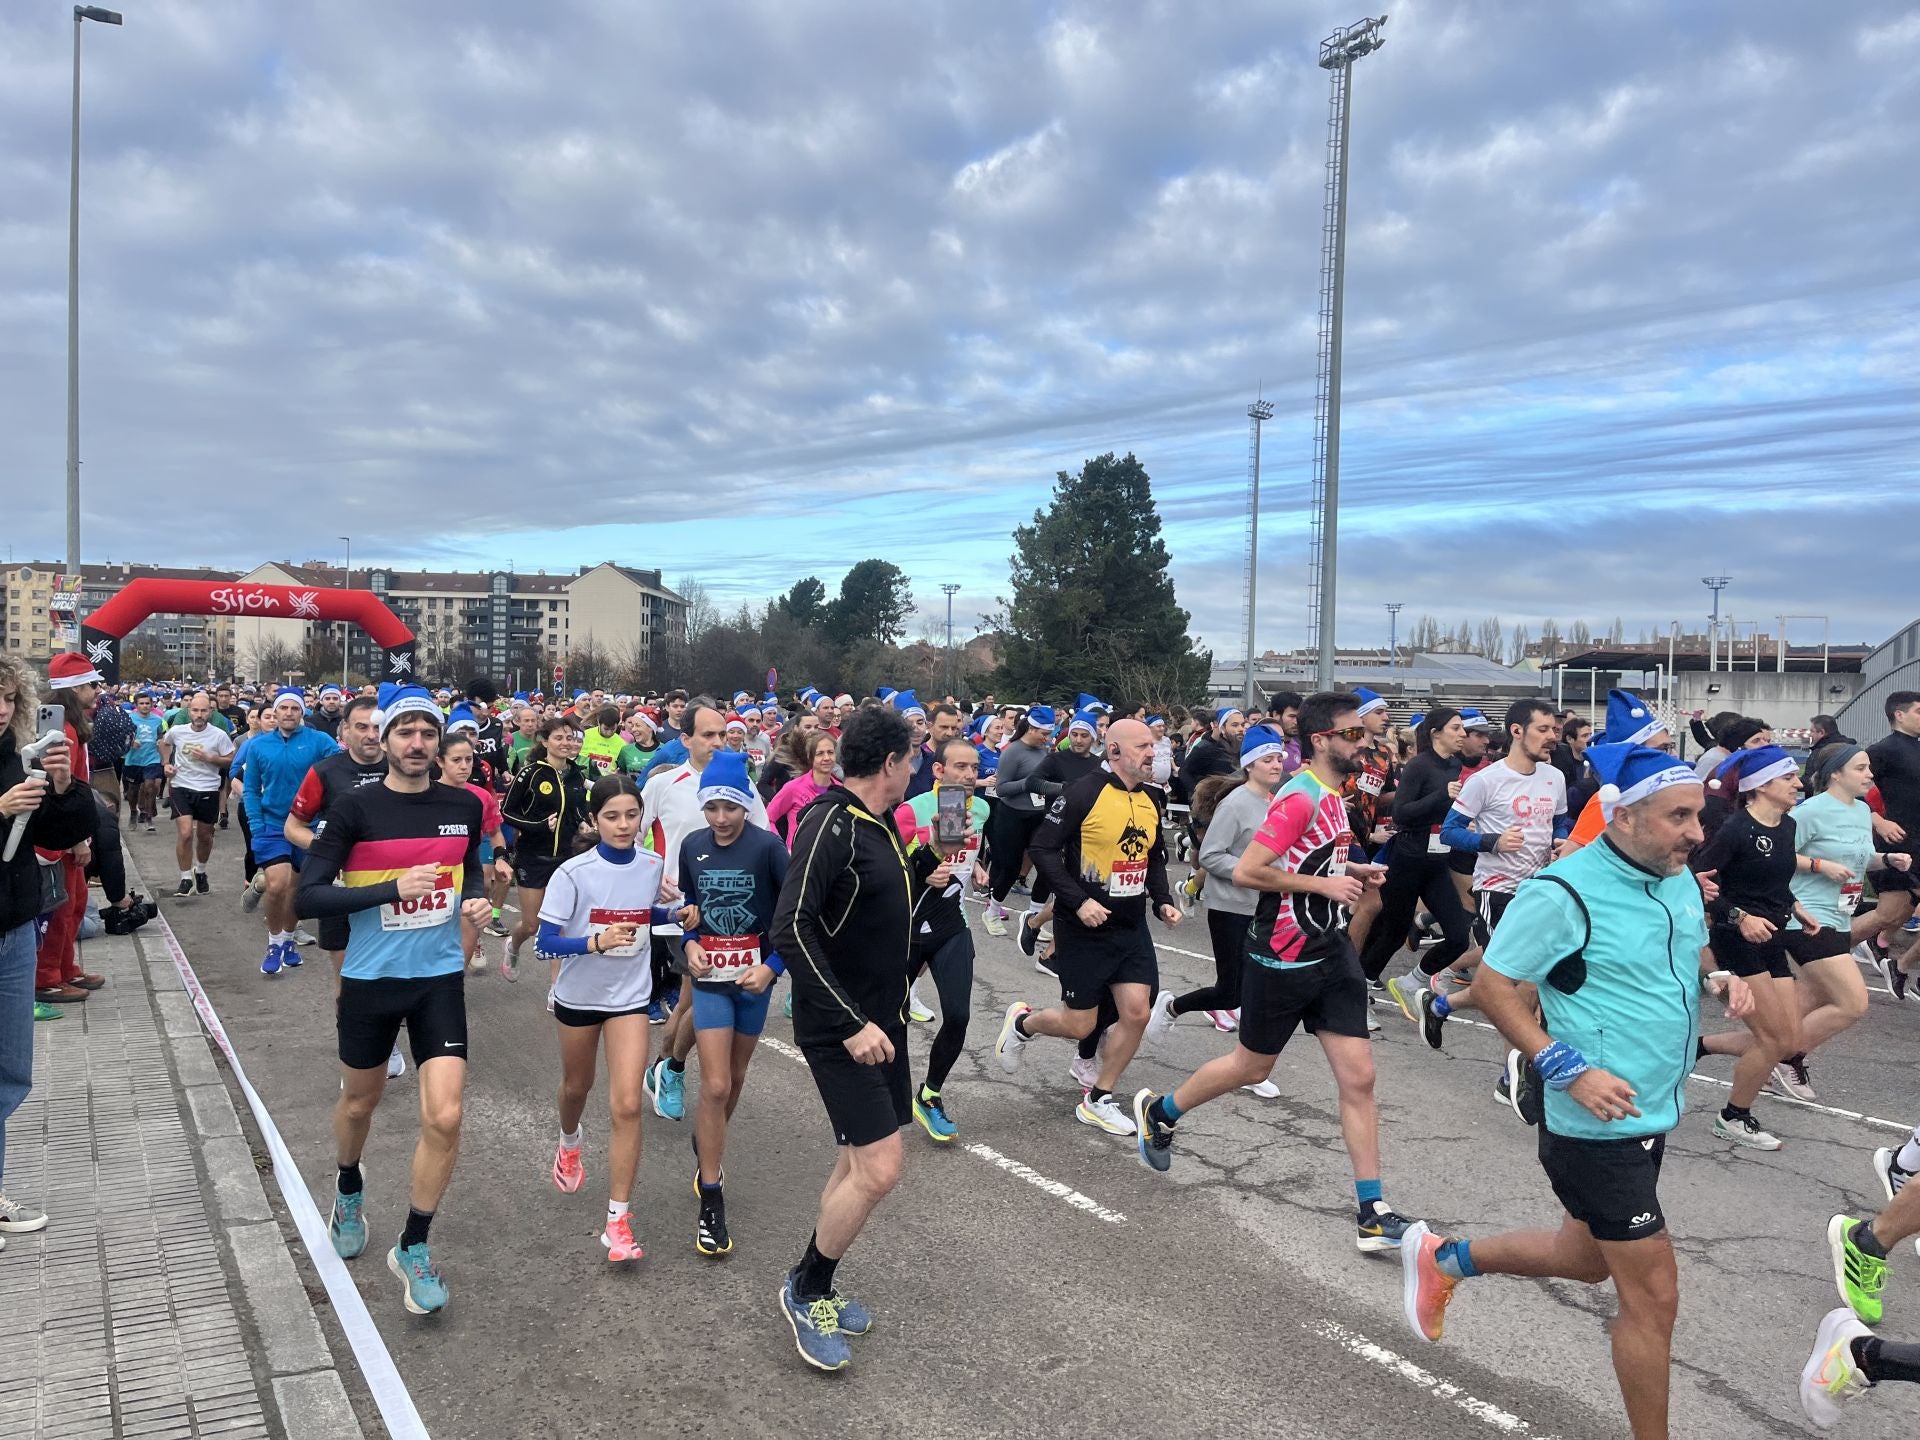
(651,883)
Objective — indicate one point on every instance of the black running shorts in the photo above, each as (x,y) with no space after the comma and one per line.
(532,872)
(1804,949)
(1092,962)
(1329,995)
(369,1014)
(1489,906)
(1610,1186)
(865,1103)
(199,805)
(1733,951)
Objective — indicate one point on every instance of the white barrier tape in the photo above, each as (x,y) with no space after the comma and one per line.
(369,1350)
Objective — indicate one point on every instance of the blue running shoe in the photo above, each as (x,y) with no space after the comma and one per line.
(271,964)
(855,1318)
(289,955)
(666,1089)
(933,1116)
(347,1227)
(425,1292)
(816,1329)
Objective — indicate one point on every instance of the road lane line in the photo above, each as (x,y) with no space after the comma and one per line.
(1354,1343)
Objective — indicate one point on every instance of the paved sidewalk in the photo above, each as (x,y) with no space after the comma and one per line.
(163,1299)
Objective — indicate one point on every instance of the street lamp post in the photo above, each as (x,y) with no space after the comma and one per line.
(346,628)
(1394,607)
(105,17)
(951,590)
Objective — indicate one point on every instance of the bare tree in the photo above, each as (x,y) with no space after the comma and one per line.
(1425,634)
(1492,637)
(1580,634)
(1616,632)
(1517,647)
(1463,639)
(1550,643)
(272,660)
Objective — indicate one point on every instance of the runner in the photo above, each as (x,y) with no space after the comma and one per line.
(1417,867)
(1613,936)
(821,753)
(1102,851)
(456,768)
(594,914)
(194,757)
(278,760)
(942,942)
(142,772)
(603,749)
(1896,773)
(1752,858)
(844,925)
(362,761)
(330,712)
(1058,772)
(1860,1248)
(731,872)
(1368,801)
(408,851)
(547,806)
(1301,969)
(1018,810)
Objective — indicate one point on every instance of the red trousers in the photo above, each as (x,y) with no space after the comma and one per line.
(59,959)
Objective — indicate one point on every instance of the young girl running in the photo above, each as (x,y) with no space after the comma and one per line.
(456,769)
(547,807)
(595,919)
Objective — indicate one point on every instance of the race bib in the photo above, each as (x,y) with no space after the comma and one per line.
(436,907)
(1127,878)
(600,918)
(1850,896)
(1437,846)
(1368,783)
(730,955)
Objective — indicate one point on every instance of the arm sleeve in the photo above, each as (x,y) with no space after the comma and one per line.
(250,792)
(822,852)
(551,942)
(1541,928)
(1562,825)
(1048,849)
(1226,837)
(1157,887)
(474,878)
(1457,833)
(309,797)
(516,809)
(782,804)
(318,895)
(1713,856)
(556,910)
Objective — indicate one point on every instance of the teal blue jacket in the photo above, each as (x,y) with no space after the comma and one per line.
(1637,1014)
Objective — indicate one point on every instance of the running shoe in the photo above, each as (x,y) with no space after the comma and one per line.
(256,890)
(1858,1276)
(422,1287)
(1864,952)
(270,965)
(347,1226)
(201,884)
(1373,1023)
(1433,1025)
(19,1218)
(786,1006)
(855,1318)
(917,1010)
(933,1118)
(396,1064)
(1792,1078)
(510,963)
(1265,1089)
(618,1238)
(1891,973)
(1892,1178)
(46,1012)
(1425,1288)
(667,1090)
(1225,1021)
(657,1012)
(304,936)
(1085,1071)
(1399,988)
(1160,1019)
(1153,1139)
(1830,1378)
(290,957)
(1020,887)
(1103,1114)
(711,1237)
(497,926)
(996,920)
(569,1171)
(1744,1131)
(1011,1042)
(816,1329)
(1028,937)
(1448,981)
(1043,964)
(1503,1088)
(183,890)
(1379,1228)
(150,829)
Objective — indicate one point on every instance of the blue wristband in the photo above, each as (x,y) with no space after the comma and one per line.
(1560,1064)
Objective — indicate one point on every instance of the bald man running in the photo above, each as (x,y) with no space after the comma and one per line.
(1102,850)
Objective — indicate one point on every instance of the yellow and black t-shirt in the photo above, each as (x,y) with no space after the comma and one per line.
(1103,841)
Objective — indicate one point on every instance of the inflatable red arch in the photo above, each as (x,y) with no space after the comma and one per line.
(106,627)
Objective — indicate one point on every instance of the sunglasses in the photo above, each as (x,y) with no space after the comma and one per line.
(1354,733)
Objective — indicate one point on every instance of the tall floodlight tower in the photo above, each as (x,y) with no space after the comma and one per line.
(1258,414)
(1716,583)
(1337,54)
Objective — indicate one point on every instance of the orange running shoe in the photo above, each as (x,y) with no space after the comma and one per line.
(568,1173)
(618,1238)
(1425,1288)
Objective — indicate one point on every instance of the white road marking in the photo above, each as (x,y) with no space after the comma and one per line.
(1055,1188)
(1354,1343)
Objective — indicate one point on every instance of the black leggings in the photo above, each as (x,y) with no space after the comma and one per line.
(109,865)
(1412,879)
(1008,831)
(1228,933)
(1888,1359)
(952,966)
(246,841)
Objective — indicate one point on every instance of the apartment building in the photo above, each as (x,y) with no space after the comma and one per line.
(39,608)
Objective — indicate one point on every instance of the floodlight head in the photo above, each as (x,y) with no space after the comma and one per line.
(94,12)
(1343,47)
(1260,410)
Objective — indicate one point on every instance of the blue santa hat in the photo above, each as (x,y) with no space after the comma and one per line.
(977,726)
(521,697)
(907,703)
(1041,717)
(1369,700)
(1630,721)
(579,694)
(725,778)
(1220,715)
(1474,719)
(1259,742)
(1153,720)
(408,700)
(885,694)
(1414,722)
(461,717)
(1630,773)
(1090,702)
(1746,770)
(1087,720)
(770,700)
(810,696)
(281,694)
(329,689)
(742,697)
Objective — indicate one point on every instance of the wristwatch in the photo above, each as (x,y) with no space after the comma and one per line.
(1735,914)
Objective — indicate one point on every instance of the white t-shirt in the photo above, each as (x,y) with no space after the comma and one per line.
(1499,796)
(194,752)
(670,809)
(584,897)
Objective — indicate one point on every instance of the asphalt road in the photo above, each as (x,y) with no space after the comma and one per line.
(1225,1298)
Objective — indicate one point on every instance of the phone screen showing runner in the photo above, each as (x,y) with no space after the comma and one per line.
(950,818)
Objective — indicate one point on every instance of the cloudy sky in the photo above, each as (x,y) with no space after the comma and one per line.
(751,290)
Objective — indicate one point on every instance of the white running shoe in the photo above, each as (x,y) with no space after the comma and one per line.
(396,1064)
(1012,1043)
(1830,1378)
(917,1010)
(1160,1018)
(996,920)
(301,937)
(1744,1131)
(1373,1025)
(1086,1073)
(1265,1089)
(1793,1080)
(1891,1177)
(1104,1113)
(510,958)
